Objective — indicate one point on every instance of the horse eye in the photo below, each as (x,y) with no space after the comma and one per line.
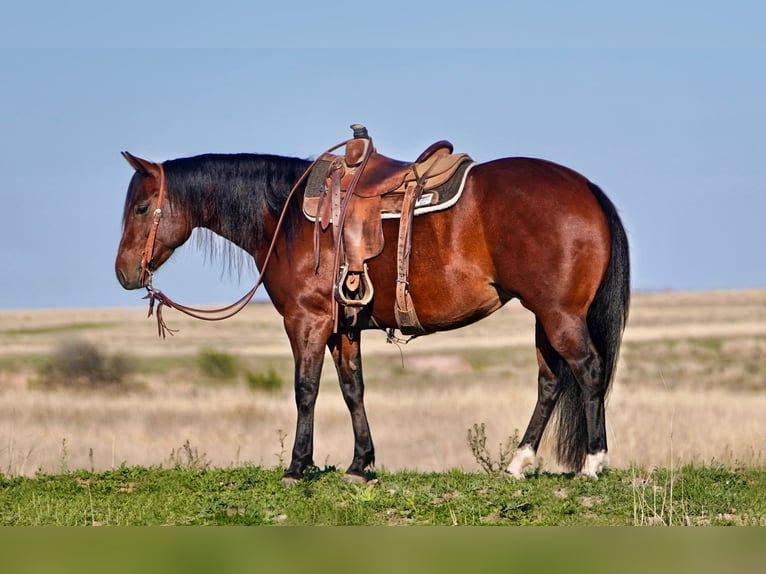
(141,209)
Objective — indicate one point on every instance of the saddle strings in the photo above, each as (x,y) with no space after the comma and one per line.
(155,296)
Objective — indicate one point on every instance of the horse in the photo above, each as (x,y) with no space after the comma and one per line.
(524,228)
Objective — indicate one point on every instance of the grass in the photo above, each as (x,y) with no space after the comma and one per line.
(267,381)
(55,329)
(217,365)
(80,364)
(700,392)
(221,367)
(734,363)
(254,496)
(22,362)
(234,422)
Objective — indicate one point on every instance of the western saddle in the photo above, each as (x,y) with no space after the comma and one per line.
(358,189)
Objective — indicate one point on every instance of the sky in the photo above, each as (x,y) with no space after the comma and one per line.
(663,105)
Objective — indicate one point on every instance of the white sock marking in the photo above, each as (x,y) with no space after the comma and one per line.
(595,463)
(523,457)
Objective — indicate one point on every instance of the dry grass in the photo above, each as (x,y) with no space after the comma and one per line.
(689,386)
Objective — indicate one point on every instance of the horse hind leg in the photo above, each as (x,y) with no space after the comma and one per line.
(572,379)
(581,441)
(551,365)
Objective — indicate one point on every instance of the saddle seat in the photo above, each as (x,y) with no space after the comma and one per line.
(388,179)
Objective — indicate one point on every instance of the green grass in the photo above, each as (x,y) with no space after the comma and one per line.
(732,363)
(254,496)
(217,365)
(54,329)
(22,362)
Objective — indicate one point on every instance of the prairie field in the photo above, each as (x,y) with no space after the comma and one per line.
(690,388)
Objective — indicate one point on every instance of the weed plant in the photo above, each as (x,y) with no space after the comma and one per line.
(477,442)
(188,457)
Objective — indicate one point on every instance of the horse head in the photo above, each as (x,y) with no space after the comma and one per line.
(151,229)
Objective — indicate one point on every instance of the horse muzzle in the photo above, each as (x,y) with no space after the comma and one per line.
(133,280)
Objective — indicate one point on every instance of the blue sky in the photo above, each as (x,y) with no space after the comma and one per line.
(663,107)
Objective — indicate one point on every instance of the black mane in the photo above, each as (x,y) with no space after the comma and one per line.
(230,191)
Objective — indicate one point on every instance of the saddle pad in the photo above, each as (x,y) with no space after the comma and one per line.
(436,198)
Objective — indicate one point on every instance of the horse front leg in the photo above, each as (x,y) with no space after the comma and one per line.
(308,343)
(347,356)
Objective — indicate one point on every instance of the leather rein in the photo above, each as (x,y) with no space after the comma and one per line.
(155,296)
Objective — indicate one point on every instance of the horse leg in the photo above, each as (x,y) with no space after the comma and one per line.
(348,362)
(308,351)
(582,424)
(548,391)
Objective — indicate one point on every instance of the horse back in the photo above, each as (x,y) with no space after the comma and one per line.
(524,228)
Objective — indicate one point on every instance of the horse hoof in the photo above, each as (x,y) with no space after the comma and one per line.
(354,478)
(511,475)
(289,481)
(594,464)
(523,458)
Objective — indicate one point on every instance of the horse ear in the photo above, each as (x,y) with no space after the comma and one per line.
(143,166)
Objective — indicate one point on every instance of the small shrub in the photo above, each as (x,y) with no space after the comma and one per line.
(188,457)
(477,441)
(217,364)
(80,364)
(268,381)
(282,450)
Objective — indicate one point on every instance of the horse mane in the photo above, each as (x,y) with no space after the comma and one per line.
(233,192)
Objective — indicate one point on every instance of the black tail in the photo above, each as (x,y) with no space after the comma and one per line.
(607,316)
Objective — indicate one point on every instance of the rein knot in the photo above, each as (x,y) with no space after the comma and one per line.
(157,296)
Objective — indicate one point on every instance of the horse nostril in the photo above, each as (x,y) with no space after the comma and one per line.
(122,278)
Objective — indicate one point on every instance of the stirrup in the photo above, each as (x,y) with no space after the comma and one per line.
(353,283)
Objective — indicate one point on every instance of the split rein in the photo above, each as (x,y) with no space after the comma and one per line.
(155,296)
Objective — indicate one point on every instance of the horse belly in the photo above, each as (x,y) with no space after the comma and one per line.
(451,276)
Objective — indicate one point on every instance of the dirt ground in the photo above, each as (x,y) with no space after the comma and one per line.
(690,387)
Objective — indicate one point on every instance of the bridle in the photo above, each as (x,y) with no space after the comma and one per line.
(156,296)
(151,237)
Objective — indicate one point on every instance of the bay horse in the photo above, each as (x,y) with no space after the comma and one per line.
(524,228)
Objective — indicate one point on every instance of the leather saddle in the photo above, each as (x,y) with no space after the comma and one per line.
(358,189)
(388,179)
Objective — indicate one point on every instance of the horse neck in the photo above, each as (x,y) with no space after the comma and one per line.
(237,197)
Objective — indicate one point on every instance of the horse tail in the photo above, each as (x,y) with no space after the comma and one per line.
(606,320)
